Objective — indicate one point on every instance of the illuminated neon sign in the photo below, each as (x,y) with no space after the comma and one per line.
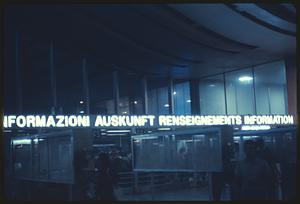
(94,121)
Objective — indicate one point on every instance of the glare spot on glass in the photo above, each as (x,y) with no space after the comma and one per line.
(188,101)
(245,78)
(166,105)
(174,93)
(212,85)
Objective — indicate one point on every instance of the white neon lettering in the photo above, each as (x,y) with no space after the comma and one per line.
(5,122)
(21,121)
(30,121)
(60,121)
(40,121)
(11,120)
(73,121)
(50,121)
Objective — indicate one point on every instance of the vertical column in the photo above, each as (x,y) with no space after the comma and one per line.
(225,94)
(254,91)
(116,91)
(171,98)
(195,100)
(18,75)
(145,90)
(85,86)
(53,78)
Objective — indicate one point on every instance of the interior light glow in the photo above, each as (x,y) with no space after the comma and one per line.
(22,141)
(147,137)
(109,131)
(116,134)
(81,102)
(256,127)
(188,101)
(135,102)
(166,105)
(212,85)
(174,93)
(245,78)
(163,128)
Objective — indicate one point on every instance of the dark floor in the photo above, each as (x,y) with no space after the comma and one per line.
(189,194)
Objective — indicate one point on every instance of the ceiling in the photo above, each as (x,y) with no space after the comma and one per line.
(177,40)
(159,39)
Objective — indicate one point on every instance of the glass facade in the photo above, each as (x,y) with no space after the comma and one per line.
(251,90)
(158,98)
(182,98)
(270,89)
(101,94)
(212,95)
(248,91)
(131,90)
(240,92)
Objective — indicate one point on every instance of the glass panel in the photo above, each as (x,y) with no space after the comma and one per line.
(270,89)
(101,94)
(212,95)
(22,158)
(131,94)
(184,152)
(158,100)
(60,158)
(182,100)
(239,92)
(43,159)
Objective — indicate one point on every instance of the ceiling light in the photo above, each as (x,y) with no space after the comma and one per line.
(135,102)
(245,78)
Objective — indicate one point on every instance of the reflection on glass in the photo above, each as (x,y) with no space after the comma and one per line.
(131,91)
(182,98)
(270,89)
(239,92)
(101,94)
(22,160)
(178,152)
(212,95)
(158,100)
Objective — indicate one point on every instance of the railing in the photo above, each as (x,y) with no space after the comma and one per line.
(139,182)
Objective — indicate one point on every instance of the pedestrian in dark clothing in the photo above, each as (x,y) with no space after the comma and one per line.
(252,175)
(104,186)
(265,153)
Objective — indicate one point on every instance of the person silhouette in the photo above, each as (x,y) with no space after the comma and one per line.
(253,175)
(104,184)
